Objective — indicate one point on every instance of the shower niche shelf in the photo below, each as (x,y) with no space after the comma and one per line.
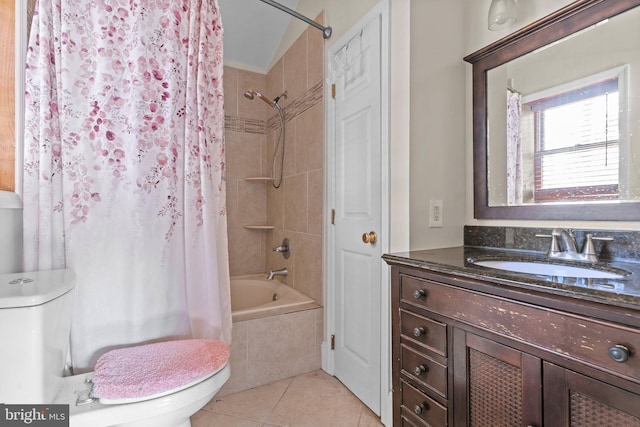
(259,178)
(259,227)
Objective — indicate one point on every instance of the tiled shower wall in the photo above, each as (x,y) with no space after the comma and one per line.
(252,128)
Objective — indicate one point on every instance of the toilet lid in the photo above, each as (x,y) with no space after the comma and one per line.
(133,374)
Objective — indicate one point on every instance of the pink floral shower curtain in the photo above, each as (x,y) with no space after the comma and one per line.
(124,168)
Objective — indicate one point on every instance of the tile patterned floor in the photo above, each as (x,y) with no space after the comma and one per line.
(315,399)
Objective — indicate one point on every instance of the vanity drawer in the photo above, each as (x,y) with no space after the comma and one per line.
(424,370)
(572,336)
(422,406)
(423,331)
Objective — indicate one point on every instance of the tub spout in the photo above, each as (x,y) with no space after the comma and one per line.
(281,272)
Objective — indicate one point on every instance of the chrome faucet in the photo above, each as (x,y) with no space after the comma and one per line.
(280,272)
(569,249)
(568,242)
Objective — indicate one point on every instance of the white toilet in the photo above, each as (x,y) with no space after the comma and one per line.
(35,321)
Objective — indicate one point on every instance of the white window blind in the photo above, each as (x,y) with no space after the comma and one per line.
(580,143)
(577,142)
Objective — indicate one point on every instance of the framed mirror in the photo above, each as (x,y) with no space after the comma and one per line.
(556,117)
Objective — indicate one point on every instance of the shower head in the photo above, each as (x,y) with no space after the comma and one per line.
(251,94)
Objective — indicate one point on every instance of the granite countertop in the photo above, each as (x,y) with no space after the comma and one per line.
(623,292)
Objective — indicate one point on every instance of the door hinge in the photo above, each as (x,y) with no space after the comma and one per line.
(333,342)
(333,217)
(333,91)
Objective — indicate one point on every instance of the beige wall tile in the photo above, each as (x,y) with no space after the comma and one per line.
(275,80)
(246,248)
(295,203)
(275,205)
(291,137)
(315,56)
(308,265)
(255,109)
(281,346)
(316,202)
(289,151)
(252,202)
(232,197)
(310,139)
(295,69)
(320,329)
(295,209)
(239,380)
(230,78)
(243,154)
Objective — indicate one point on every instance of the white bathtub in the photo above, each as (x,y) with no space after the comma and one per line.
(254,296)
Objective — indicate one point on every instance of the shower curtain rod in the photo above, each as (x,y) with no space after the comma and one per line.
(326,31)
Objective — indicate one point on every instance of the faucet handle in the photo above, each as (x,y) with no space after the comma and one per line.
(589,249)
(554,248)
(284,248)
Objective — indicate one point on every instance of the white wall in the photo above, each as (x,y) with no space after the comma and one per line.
(400,126)
(437,120)
(477,36)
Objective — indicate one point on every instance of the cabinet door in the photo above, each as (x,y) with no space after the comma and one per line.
(572,399)
(495,385)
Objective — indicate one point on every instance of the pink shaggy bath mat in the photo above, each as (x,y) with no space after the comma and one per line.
(152,370)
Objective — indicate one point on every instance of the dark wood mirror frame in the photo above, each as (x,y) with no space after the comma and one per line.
(566,21)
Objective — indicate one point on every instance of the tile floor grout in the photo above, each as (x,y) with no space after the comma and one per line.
(314,399)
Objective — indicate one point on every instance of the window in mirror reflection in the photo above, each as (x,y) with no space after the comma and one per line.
(563,143)
(577,131)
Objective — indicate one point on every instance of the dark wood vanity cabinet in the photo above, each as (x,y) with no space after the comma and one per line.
(463,356)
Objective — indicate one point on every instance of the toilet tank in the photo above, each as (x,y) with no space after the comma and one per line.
(10,233)
(35,321)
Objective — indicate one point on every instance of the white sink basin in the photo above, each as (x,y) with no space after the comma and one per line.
(549,269)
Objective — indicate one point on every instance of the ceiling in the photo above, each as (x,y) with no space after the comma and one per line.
(253,31)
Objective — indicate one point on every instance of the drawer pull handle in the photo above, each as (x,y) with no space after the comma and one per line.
(419,409)
(419,293)
(419,331)
(420,369)
(619,353)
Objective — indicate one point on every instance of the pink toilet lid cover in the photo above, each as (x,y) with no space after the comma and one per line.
(148,371)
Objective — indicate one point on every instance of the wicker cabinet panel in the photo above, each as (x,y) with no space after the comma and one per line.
(586,402)
(587,412)
(495,392)
(424,370)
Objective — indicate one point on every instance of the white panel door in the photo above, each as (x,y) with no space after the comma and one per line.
(357,213)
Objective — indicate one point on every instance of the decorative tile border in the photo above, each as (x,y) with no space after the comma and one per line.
(311,97)
(244,125)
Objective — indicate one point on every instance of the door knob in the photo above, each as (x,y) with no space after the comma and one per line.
(370,237)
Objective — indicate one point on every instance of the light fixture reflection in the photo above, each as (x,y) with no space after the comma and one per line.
(502,13)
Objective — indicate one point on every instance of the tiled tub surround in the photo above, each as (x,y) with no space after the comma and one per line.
(275,347)
(251,131)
